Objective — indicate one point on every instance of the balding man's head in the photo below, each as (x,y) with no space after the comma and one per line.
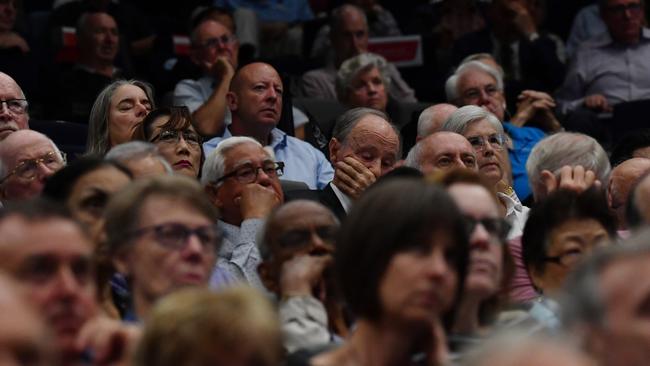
(621,181)
(27,159)
(255,99)
(13,107)
(442,151)
(432,119)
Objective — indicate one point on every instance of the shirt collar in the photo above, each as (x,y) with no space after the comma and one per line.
(278,138)
(511,201)
(229,231)
(345,200)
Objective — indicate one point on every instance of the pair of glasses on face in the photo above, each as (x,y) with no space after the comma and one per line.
(28,169)
(175,236)
(18,106)
(497,227)
(223,41)
(300,238)
(174,136)
(479,143)
(620,10)
(475,93)
(247,173)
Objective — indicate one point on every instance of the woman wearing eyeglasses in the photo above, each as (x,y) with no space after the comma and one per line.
(171,130)
(490,265)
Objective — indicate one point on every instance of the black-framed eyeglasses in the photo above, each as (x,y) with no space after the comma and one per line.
(225,40)
(175,235)
(18,106)
(620,10)
(479,143)
(27,169)
(174,137)
(298,238)
(493,225)
(475,93)
(247,173)
(567,259)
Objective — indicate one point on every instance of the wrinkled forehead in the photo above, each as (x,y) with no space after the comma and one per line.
(29,147)
(43,236)
(475,78)
(246,153)
(444,142)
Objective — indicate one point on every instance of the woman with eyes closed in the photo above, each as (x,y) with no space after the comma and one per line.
(117,112)
(171,130)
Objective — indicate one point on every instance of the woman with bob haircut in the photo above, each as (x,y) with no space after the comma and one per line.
(116,113)
(400,261)
(171,130)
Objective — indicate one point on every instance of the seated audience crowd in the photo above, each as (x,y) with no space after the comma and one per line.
(236,182)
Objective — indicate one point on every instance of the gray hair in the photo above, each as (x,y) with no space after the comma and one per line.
(3,165)
(352,67)
(581,300)
(567,148)
(215,164)
(98,140)
(136,150)
(460,120)
(451,85)
(336,18)
(428,116)
(346,122)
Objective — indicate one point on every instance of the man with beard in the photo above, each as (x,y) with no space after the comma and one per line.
(297,249)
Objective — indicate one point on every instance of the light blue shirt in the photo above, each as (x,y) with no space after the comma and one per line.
(302,162)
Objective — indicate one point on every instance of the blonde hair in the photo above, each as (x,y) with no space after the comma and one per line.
(200,327)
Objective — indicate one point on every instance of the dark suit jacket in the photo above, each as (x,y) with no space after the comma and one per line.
(327,197)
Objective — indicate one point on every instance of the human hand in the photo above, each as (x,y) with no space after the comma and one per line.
(300,274)
(598,102)
(221,69)
(575,178)
(111,341)
(257,201)
(13,39)
(352,177)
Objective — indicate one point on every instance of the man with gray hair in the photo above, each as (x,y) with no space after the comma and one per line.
(364,147)
(566,160)
(604,301)
(349,37)
(241,177)
(442,151)
(432,118)
(27,159)
(142,158)
(477,83)
(13,107)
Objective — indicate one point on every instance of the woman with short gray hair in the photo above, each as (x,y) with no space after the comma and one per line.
(363,81)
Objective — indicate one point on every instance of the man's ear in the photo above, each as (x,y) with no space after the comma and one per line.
(213,195)
(334,147)
(537,277)
(267,277)
(231,101)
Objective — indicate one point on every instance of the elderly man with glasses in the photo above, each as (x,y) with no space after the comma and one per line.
(27,159)
(241,178)
(13,107)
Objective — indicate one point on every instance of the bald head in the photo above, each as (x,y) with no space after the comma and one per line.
(442,151)
(13,113)
(22,148)
(621,181)
(432,119)
(255,100)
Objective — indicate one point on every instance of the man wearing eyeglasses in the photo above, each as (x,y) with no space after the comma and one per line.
(610,68)
(13,107)
(27,159)
(215,49)
(241,178)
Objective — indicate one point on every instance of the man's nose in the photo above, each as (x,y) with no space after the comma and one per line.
(66,283)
